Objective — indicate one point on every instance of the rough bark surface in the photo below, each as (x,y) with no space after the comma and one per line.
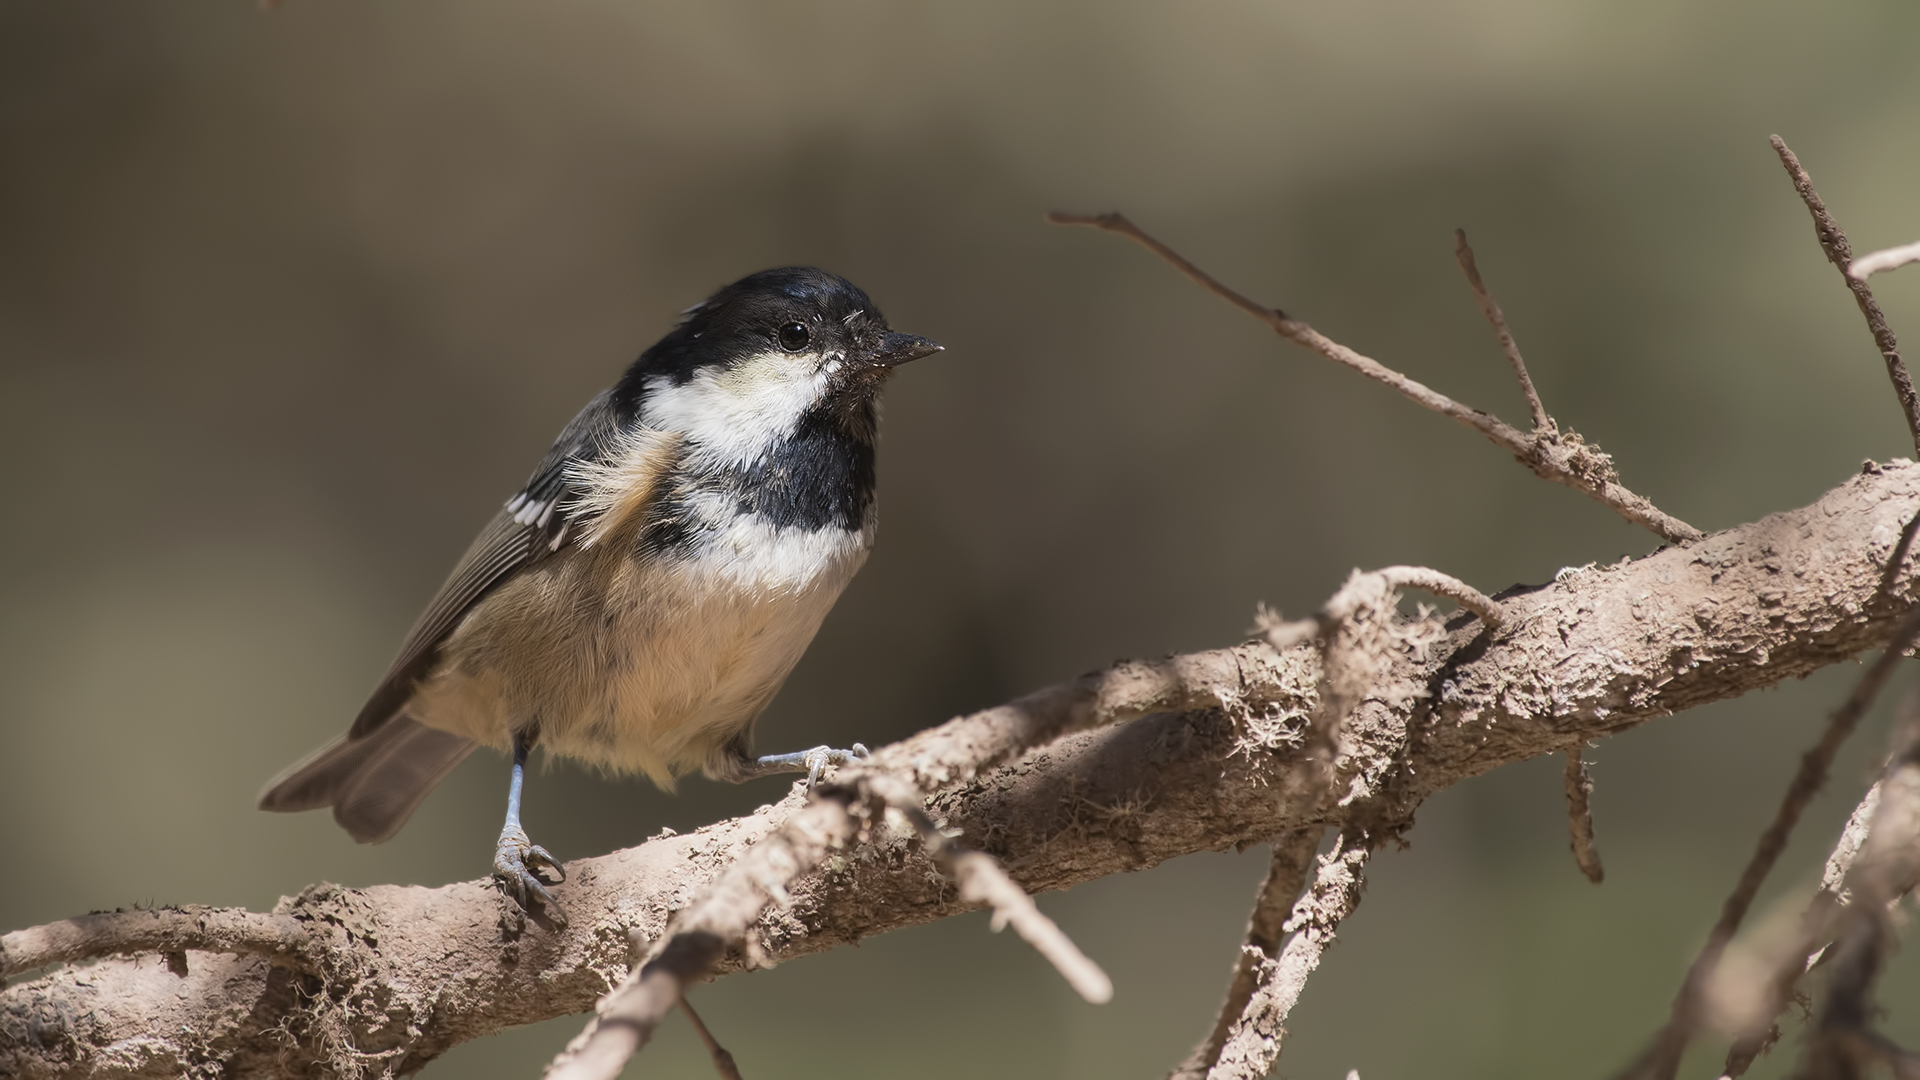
(383,980)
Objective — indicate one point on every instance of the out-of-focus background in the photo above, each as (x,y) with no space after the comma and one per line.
(290,299)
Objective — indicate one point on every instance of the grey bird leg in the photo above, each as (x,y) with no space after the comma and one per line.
(521,866)
(812,762)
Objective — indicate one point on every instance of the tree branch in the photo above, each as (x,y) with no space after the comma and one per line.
(1840,254)
(1130,767)
(1287,872)
(1564,458)
(1662,1059)
(1463,253)
(1891,258)
(1254,1039)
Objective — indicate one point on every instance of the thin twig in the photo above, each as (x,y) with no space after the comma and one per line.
(1579,786)
(1563,458)
(1887,868)
(1840,254)
(1891,258)
(722,1060)
(1363,589)
(1464,253)
(1815,934)
(1439,584)
(1287,875)
(982,881)
(1660,1060)
(1254,1038)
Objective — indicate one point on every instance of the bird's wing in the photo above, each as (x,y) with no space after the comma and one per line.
(538,521)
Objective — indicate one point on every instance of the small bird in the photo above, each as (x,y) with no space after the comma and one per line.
(638,603)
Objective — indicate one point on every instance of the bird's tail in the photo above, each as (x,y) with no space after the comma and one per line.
(373,782)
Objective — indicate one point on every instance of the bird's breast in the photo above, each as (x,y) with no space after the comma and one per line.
(643,660)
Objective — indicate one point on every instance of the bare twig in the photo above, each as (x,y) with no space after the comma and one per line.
(1815,934)
(1580,817)
(1363,589)
(1662,1058)
(1463,252)
(1253,1039)
(164,930)
(1891,258)
(1840,254)
(1887,868)
(982,881)
(1286,876)
(1563,458)
(722,1060)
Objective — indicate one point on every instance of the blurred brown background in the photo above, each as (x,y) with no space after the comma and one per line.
(290,299)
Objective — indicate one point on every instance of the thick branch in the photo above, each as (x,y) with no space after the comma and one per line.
(1213,761)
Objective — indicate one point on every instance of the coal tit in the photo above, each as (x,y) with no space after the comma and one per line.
(638,603)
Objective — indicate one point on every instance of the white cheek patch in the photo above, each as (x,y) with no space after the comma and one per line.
(734,415)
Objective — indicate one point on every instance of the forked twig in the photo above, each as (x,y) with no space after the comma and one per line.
(1562,457)
(1662,1057)
(1254,1037)
(1840,254)
(1579,786)
(1287,873)
(1463,252)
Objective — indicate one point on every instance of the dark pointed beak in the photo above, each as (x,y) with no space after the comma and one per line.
(897,349)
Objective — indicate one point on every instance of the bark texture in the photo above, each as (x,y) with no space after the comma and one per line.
(383,980)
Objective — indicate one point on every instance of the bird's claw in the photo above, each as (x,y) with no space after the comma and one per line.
(818,758)
(524,869)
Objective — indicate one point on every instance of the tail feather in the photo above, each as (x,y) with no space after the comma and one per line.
(374,782)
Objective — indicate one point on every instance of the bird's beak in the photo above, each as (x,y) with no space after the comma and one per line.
(896,349)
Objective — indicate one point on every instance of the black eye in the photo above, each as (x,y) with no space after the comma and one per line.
(794,336)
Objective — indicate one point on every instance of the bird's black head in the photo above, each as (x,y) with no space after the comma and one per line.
(791,320)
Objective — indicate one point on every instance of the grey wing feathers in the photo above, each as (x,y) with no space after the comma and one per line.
(376,774)
(533,523)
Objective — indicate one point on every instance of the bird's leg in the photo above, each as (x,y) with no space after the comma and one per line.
(520,866)
(812,762)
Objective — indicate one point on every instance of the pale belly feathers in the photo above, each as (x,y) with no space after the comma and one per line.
(641,665)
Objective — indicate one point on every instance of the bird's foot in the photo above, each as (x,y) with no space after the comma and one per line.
(812,762)
(524,869)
